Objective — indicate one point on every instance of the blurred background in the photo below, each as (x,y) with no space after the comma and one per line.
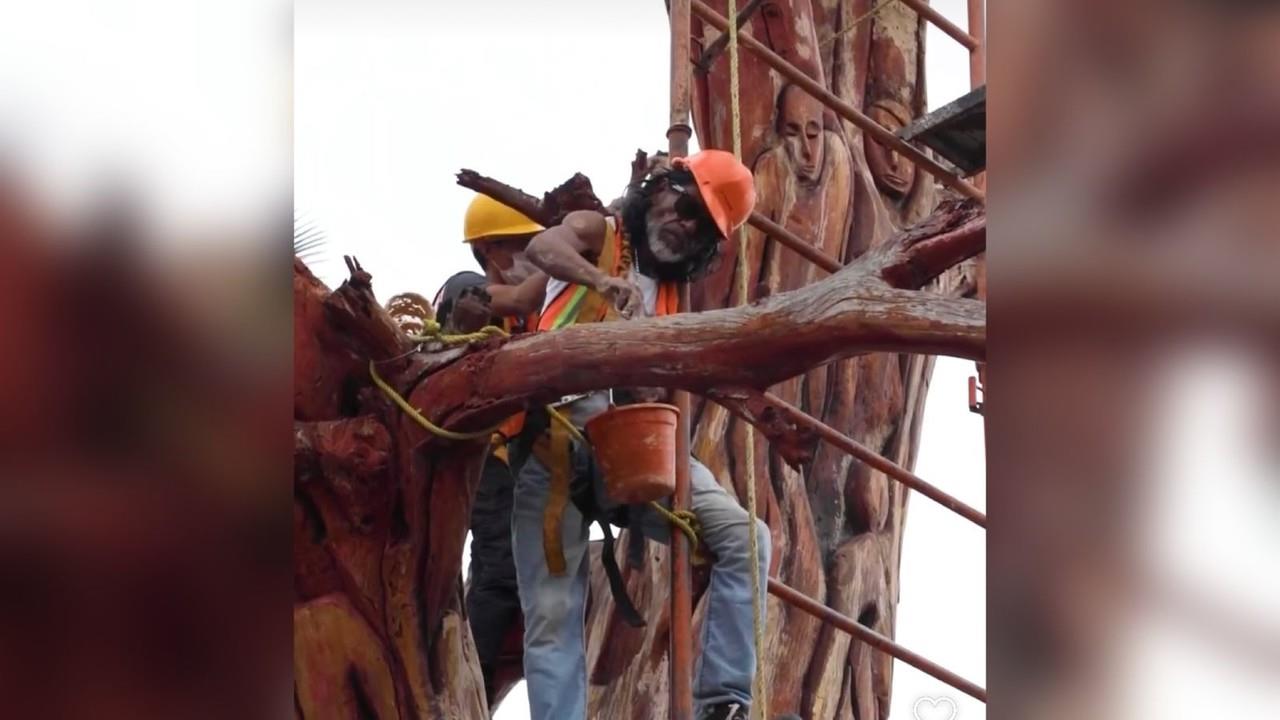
(145,203)
(1133,429)
(1133,444)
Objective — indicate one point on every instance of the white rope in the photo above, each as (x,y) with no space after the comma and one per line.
(759,700)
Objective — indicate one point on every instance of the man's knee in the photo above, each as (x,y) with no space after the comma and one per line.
(732,542)
(549,609)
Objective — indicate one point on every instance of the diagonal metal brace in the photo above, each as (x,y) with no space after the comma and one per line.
(708,57)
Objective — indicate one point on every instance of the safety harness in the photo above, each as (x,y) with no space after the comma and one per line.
(563,450)
(544,433)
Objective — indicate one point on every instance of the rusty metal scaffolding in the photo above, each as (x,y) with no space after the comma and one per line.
(681,596)
(682,64)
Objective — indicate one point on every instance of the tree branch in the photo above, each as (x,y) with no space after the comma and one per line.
(575,193)
(954,232)
(852,312)
(866,307)
(512,197)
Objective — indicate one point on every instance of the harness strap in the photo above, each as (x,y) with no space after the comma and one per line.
(616,585)
(636,539)
(553,451)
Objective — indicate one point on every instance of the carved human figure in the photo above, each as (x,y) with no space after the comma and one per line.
(803,182)
(800,127)
(894,174)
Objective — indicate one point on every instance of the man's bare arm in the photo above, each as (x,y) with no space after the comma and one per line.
(521,299)
(563,251)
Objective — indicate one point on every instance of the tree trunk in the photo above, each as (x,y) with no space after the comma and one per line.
(382,506)
(836,524)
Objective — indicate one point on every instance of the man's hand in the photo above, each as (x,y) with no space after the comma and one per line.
(471,311)
(625,296)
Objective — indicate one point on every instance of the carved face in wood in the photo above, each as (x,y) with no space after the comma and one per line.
(800,126)
(893,173)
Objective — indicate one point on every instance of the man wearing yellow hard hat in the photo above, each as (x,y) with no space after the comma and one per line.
(510,292)
(498,236)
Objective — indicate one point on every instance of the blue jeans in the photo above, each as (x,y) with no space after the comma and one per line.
(554,607)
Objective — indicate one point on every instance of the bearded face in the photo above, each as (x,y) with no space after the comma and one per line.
(673,236)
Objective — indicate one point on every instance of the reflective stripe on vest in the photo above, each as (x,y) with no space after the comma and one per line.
(578,303)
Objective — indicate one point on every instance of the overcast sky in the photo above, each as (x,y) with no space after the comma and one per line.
(391,98)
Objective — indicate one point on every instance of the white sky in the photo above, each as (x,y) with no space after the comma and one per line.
(183,103)
(391,98)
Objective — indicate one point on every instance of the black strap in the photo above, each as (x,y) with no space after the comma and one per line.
(616,585)
(583,496)
(635,540)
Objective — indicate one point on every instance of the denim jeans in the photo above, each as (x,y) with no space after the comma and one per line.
(554,647)
(493,601)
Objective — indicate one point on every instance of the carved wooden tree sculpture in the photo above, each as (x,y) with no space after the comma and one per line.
(382,506)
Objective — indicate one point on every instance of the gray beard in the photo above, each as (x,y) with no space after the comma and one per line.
(661,251)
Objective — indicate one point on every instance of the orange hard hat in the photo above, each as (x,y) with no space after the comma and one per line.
(725,184)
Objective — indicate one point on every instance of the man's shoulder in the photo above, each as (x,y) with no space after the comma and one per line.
(586,220)
(590,226)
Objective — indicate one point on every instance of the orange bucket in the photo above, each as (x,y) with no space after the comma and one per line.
(636,448)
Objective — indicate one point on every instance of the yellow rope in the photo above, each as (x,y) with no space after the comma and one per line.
(412,412)
(431,331)
(874,11)
(759,699)
(685,520)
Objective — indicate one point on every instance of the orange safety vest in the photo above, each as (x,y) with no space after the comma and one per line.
(514,424)
(580,304)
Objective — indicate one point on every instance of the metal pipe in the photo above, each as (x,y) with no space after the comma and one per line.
(942,23)
(795,242)
(719,44)
(978,54)
(681,79)
(797,599)
(842,108)
(879,462)
(681,633)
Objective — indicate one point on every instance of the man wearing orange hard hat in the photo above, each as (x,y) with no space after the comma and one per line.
(622,264)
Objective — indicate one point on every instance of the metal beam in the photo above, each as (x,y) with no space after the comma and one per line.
(719,44)
(942,23)
(879,462)
(681,598)
(797,599)
(842,108)
(978,54)
(795,242)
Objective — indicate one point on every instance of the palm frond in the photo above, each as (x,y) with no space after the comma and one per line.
(308,240)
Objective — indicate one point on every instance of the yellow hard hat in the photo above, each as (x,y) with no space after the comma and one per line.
(487,217)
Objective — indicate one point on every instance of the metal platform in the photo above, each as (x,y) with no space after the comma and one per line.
(956,131)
